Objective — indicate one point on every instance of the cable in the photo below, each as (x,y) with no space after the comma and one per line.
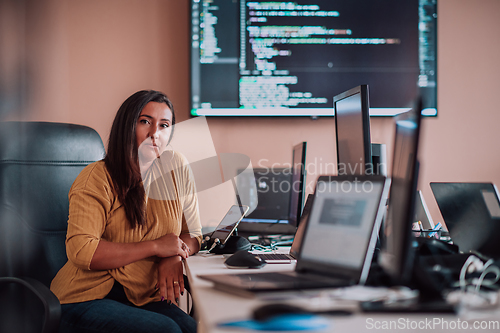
(470,293)
(214,244)
(463,272)
(488,269)
(261,247)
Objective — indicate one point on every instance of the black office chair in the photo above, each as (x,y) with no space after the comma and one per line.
(38,163)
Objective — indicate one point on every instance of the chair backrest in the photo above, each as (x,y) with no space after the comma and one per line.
(38,163)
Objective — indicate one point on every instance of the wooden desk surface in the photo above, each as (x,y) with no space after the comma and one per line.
(213,307)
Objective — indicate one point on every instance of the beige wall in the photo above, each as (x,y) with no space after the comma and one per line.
(87,56)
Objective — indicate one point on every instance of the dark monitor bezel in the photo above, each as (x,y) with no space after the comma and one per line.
(398,265)
(301,147)
(301,228)
(362,90)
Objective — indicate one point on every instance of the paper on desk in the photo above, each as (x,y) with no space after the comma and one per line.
(364,293)
(476,305)
(352,293)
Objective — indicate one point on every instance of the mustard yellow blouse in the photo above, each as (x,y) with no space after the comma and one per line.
(95,213)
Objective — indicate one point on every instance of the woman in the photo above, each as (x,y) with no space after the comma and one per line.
(133,218)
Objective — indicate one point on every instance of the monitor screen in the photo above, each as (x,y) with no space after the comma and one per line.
(283,58)
(297,189)
(396,257)
(352,132)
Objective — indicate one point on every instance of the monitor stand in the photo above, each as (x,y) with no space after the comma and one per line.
(232,245)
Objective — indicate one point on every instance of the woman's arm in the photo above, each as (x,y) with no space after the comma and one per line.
(171,279)
(110,255)
(170,272)
(191,242)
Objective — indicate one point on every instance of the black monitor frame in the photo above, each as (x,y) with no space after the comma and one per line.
(364,165)
(297,193)
(397,254)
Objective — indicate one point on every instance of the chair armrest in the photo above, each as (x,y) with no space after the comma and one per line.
(51,305)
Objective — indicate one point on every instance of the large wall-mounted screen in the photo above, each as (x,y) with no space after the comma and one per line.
(289,58)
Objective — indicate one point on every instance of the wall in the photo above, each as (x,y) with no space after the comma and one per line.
(87,56)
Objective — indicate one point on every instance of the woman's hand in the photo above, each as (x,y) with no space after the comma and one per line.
(171,245)
(171,279)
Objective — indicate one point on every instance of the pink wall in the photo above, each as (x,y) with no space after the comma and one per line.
(87,56)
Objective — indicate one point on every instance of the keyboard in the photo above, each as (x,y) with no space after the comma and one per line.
(275,256)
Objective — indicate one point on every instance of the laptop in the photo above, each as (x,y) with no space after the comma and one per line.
(471,212)
(338,243)
(286,258)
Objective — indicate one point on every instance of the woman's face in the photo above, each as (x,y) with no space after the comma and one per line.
(153,130)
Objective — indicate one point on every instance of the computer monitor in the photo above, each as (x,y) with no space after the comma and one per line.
(272,201)
(279,198)
(396,256)
(297,190)
(352,131)
(272,58)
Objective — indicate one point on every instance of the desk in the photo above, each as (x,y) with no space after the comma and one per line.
(214,306)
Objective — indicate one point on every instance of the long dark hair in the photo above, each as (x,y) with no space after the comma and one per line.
(122,159)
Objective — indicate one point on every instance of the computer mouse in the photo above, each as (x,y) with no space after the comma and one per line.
(268,311)
(244,259)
